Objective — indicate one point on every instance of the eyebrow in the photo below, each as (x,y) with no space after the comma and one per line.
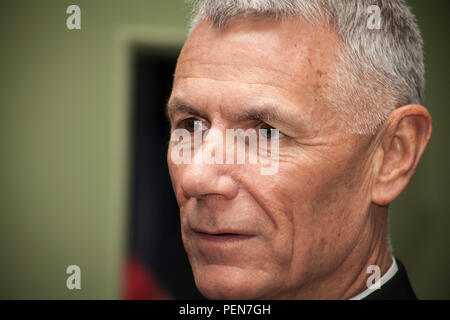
(263,113)
(177,106)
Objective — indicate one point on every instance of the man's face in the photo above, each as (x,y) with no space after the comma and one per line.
(249,235)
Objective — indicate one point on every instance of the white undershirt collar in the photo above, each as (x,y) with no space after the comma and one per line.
(385,278)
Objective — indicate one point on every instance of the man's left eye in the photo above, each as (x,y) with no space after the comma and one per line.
(269,132)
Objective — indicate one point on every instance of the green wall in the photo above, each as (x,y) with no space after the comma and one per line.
(64,139)
(420,218)
(64,110)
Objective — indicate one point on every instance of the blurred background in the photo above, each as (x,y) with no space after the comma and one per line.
(83,138)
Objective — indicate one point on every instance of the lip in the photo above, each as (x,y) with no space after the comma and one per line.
(225,236)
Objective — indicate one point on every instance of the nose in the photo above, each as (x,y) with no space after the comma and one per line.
(200,179)
(203,180)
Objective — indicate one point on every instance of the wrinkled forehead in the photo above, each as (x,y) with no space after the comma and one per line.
(292,49)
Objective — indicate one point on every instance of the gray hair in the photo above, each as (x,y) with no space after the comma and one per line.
(381,69)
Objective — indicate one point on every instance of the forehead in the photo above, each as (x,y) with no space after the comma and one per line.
(286,60)
(276,44)
(289,46)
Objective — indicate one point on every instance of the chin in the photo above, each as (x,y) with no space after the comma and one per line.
(230,283)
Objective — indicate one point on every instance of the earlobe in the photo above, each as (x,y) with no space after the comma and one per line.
(407,133)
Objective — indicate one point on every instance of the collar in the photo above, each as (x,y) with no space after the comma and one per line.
(385,278)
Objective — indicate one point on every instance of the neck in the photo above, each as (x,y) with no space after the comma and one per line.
(350,277)
(373,249)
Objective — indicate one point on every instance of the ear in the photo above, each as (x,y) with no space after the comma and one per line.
(402,143)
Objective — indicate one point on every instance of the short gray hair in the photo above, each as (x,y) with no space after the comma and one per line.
(382,68)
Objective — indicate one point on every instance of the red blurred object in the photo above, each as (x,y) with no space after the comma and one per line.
(141,284)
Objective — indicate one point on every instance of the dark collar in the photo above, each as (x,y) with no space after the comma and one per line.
(397,288)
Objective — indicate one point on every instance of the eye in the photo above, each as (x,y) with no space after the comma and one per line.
(269,132)
(188,124)
(191,124)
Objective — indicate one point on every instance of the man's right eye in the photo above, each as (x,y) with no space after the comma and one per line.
(191,124)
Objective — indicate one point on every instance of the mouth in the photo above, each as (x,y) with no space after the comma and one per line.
(222,237)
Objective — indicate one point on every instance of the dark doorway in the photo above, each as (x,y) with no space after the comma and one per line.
(155,245)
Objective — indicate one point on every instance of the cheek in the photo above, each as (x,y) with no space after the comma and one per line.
(310,204)
(175,172)
(334,212)
(285,201)
(172,167)
(282,203)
